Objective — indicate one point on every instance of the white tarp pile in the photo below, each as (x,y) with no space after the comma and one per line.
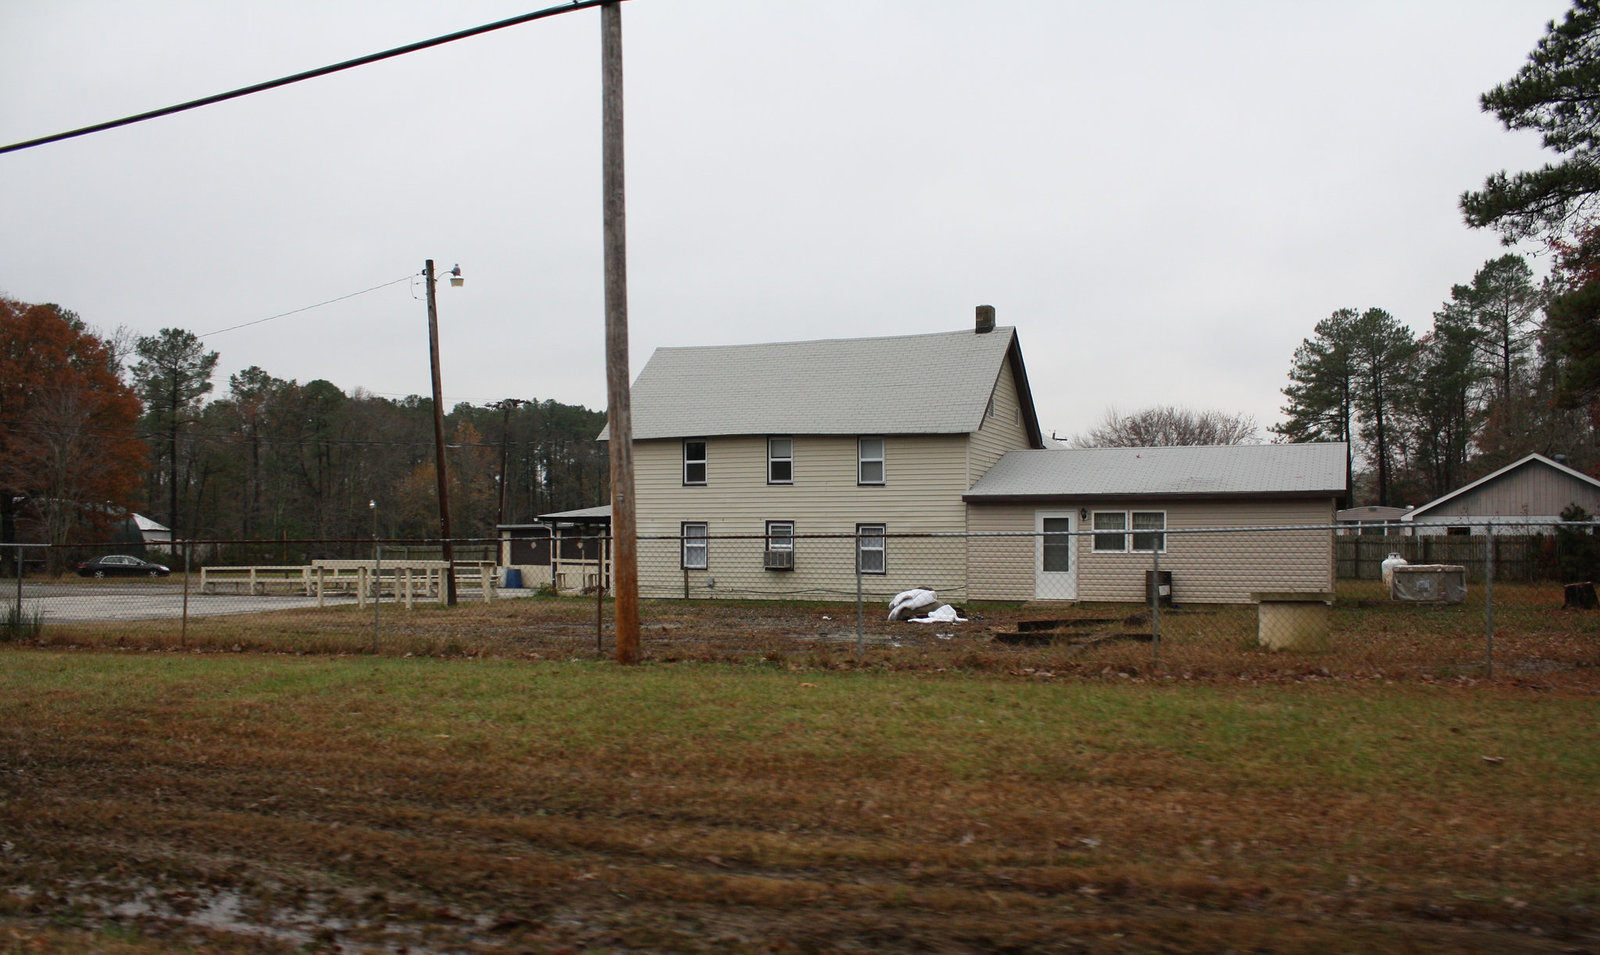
(944,613)
(908,602)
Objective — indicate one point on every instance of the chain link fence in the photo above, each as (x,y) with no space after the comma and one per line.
(1469,601)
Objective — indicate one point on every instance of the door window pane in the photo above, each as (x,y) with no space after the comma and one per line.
(1057,545)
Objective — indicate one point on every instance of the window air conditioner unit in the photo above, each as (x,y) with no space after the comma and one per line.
(780,560)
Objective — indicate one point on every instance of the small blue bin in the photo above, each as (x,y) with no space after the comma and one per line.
(513,579)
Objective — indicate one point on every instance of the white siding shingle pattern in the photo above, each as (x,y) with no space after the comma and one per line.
(1282,469)
(911,384)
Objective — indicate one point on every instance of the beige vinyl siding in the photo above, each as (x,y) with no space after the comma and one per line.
(924,478)
(1001,567)
(1001,432)
(1206,568)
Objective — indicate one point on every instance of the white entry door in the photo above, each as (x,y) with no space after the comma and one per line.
(1055,555)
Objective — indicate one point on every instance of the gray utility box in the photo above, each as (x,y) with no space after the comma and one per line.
(1429,583)
(1158,588)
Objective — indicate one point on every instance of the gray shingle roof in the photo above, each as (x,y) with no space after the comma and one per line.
(910,384)
(1239,470)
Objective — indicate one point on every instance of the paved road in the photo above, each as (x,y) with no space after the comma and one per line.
(76,602)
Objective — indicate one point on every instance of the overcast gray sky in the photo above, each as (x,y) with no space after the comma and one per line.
(1163,197)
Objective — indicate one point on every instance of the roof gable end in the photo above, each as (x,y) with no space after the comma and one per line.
(1531,460)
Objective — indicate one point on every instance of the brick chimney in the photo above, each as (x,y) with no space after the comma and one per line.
(985,319)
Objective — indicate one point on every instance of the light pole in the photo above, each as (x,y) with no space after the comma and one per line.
(377,575)
(504,404)
(448,546)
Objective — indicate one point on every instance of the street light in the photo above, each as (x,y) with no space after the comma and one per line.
(456,281)
(377,575)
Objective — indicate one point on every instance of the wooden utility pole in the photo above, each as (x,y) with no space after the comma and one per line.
(440,474)
(619,417)
(505,405)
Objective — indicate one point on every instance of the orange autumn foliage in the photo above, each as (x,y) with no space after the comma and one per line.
(70,458)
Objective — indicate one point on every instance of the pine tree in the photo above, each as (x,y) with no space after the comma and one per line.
(172,375)
(1321,389)
(1557,94)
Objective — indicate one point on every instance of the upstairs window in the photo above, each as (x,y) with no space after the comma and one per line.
(694,462)
(780,460)
(780,545)
(869,461)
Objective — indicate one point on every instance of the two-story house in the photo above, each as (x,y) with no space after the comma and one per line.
(747,451)
(780,469)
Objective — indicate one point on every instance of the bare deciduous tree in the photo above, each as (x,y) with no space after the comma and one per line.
(1164,426)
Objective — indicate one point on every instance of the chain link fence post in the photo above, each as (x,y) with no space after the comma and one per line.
(377,590)
(17,565)
(861,640)
(1155,605)
(183,627)
(1488,600)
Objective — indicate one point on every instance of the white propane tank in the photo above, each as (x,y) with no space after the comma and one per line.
(1389,564)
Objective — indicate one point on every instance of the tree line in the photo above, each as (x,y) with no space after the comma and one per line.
(1425,414)
(1510,365)
(97,426)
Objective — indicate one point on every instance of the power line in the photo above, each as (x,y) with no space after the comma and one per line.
(307,75)
(306,308)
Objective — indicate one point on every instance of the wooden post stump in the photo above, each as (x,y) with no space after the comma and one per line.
(1581,596)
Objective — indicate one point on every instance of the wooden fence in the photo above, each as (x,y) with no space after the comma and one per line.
(1516,556)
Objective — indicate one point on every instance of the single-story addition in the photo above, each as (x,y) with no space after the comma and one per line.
(1533,490)
(747,457)
(1372,520)
(1103,517)
(567,550)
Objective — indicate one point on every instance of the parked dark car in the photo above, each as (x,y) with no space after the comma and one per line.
(121,565)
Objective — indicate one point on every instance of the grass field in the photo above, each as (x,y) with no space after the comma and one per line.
(152,801)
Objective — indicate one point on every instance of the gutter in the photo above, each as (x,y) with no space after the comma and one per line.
(1068,498)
